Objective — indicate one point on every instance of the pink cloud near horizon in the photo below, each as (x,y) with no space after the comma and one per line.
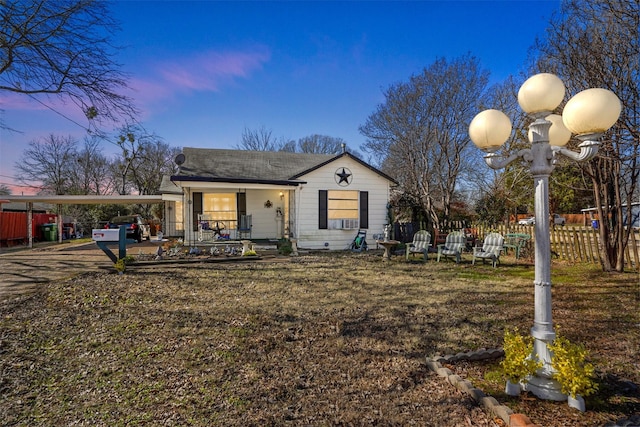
(207,71)
(18,101)
(210,70)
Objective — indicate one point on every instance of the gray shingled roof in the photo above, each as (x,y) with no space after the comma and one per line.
(219,165)
(169,187)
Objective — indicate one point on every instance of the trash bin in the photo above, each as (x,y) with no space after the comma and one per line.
(50,232)
(46,230)
(594,223)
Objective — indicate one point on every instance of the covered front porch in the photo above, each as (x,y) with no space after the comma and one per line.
(219,213)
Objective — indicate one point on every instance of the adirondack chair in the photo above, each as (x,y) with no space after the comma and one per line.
(491,248)
(516,241)
(453,246)
(420,244)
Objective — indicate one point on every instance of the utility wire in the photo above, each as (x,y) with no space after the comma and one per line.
(86,129)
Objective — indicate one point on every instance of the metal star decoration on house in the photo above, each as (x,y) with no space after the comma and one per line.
(343,176)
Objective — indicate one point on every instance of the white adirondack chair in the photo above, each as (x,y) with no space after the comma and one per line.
(453,246)
(420,244)
(491,248)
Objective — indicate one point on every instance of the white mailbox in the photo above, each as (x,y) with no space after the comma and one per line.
(105,235)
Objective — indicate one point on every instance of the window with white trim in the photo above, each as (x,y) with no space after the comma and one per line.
(220,207)
(342,209)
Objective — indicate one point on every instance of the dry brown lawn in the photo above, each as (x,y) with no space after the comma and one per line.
(322,339)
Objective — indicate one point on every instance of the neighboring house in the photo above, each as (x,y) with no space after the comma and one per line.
(635,214)
(321,200)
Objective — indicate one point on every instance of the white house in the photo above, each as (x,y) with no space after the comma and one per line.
(321,200)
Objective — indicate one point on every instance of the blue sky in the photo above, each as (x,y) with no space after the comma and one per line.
(203,71)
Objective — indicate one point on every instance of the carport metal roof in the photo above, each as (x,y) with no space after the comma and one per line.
(83,199)
(74,200)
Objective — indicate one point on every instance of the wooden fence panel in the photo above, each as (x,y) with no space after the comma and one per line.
(582,247)
(573,243)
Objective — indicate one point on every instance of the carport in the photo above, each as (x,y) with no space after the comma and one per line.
(73,200)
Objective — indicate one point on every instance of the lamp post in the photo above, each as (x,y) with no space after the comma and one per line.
(588,115)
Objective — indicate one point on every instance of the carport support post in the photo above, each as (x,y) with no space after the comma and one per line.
(30,223)
(60,222)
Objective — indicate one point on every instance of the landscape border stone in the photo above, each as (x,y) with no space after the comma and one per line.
(488,403)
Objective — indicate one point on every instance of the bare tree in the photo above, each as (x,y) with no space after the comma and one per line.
(420,133)
(567,186)
(262,139)
(156,158)
(289,146)
(321,144)
(512,185)
(596,43)
(63,48)
(91,173)
(144,159)
(259,140)
(4,190)
(50,161)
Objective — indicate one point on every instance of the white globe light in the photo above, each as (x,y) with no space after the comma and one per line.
(559,135)
(591,111)
(542,92)
(489,130)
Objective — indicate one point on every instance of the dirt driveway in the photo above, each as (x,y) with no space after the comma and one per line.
(23,271)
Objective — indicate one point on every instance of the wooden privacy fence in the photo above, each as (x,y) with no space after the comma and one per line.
(573,243)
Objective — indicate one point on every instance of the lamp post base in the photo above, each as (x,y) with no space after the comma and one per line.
(545,388)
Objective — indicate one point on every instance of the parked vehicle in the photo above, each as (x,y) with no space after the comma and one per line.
(527,221)
(137,227)
(557,220)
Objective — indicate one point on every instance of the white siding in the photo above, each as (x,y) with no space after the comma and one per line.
(266,223)
(303,214)
(364,179)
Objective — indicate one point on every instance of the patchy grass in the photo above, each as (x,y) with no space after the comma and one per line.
(323,339)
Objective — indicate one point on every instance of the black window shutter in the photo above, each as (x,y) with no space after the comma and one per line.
(364,209)
(197,209)
(241,205)
(322,210)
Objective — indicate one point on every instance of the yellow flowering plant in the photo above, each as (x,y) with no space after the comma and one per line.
(518,364)
(572,371)
(120,265)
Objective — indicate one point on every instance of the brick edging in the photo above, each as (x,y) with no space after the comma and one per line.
(489,404)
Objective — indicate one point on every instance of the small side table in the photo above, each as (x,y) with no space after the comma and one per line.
(388,245)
